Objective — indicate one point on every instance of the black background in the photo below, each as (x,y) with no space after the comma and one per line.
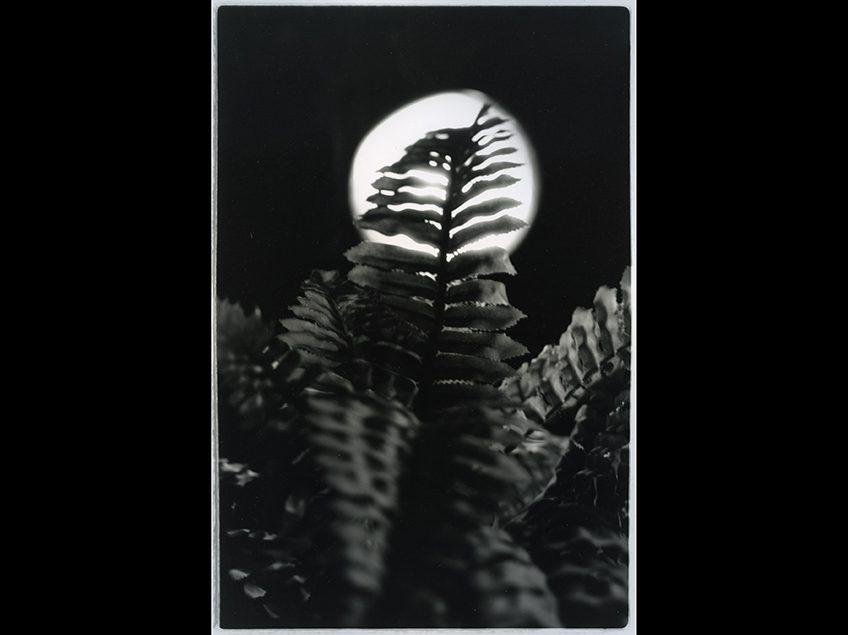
(299,87)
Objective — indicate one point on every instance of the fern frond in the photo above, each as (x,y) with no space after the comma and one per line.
(578,531)
(358,448)
(478,579)
(317,331)
(258,376)
(443,293)
(585,561)
(593,356)
(341,327)
(507,589)
(480,464)
(263,385)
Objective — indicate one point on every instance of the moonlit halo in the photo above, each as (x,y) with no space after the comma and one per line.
(385,144)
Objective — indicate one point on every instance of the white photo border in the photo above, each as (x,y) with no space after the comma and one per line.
(630,5)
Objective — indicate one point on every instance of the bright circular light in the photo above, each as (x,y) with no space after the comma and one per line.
(386,142)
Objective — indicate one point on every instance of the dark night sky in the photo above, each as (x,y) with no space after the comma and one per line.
(299,87)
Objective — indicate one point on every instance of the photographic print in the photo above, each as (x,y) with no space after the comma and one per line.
(423,316)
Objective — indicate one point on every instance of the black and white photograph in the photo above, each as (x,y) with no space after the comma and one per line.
(423,309)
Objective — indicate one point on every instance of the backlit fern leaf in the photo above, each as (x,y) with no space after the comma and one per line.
(463,314)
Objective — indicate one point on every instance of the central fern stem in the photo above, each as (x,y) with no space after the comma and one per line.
(441,288)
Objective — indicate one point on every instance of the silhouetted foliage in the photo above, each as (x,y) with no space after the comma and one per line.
(382,466)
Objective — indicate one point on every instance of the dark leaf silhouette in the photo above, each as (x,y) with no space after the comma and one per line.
(478,516)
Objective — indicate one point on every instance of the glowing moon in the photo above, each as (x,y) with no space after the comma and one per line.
(386,142)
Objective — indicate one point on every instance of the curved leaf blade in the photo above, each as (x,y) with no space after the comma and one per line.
(393,282)
(501,225)
(497,346)
(471,368)
(409,215)
(484,185)
(405,198)
(392,257)
(489,207)
(420,232)
(490,317)
(480,262)
(477,290)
